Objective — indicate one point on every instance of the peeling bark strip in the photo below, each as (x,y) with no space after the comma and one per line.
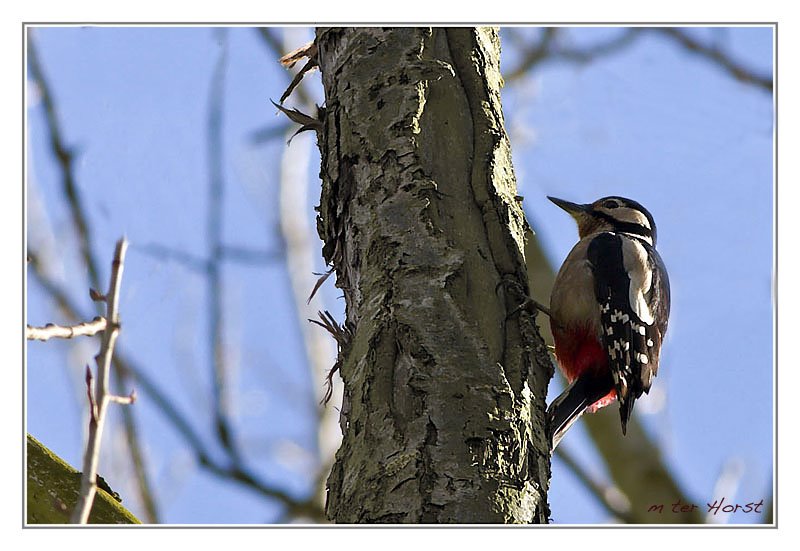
(444,397)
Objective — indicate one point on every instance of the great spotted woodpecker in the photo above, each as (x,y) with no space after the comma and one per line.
(608,311)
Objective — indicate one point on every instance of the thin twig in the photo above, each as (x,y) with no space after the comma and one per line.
(228,468)
(301,250)
(277,49)
(54,331)
(267,134)
(64,156)
(717,57)
(230,253)
(214,225)
(165,253)
(248,255)
(103,396)
(180,422)
(124,400)
(547,49)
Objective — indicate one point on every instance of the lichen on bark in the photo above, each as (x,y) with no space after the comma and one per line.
(444,388)
(52,491)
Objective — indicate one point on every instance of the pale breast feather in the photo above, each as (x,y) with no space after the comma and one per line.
(573,299)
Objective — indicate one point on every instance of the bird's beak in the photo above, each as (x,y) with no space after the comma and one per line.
(573,209)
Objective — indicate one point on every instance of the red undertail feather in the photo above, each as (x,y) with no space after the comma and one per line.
(578,351)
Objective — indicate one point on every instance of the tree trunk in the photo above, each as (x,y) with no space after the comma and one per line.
(444,383)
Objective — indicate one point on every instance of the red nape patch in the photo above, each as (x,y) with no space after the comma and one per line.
(578,350)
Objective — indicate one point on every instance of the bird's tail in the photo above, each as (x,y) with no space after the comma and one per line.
(570,404)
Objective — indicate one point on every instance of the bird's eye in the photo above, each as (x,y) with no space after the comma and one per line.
(610,204)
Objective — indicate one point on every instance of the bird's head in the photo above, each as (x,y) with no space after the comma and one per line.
(616,214)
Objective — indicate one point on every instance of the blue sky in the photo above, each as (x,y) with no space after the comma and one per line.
(695,147)
(652,123)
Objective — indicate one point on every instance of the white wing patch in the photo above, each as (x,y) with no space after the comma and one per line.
(634,257)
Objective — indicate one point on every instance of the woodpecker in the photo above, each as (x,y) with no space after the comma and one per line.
(608,311)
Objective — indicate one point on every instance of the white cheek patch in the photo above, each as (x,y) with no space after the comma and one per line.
(625,214)
(634,257)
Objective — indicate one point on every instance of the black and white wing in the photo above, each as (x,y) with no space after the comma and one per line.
(632,290)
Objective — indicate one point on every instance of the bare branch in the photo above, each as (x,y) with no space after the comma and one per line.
(80,220)
(547,48)
(228,253)
(211,267)
(56,292)
(51,330)
(343,336)
(214,225)
(307,122)
(341,333)
(717,57)
(319,283)
(248,255)
(102,395)
(267,134)
(175,418)
(276,49)
(65,158)
(96,295)
(164,253)
(234,472)
(310,51)
(125,400)
(90,394)
(532,54)
(301,249)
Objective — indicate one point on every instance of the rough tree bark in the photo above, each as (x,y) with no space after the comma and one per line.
(444,383)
